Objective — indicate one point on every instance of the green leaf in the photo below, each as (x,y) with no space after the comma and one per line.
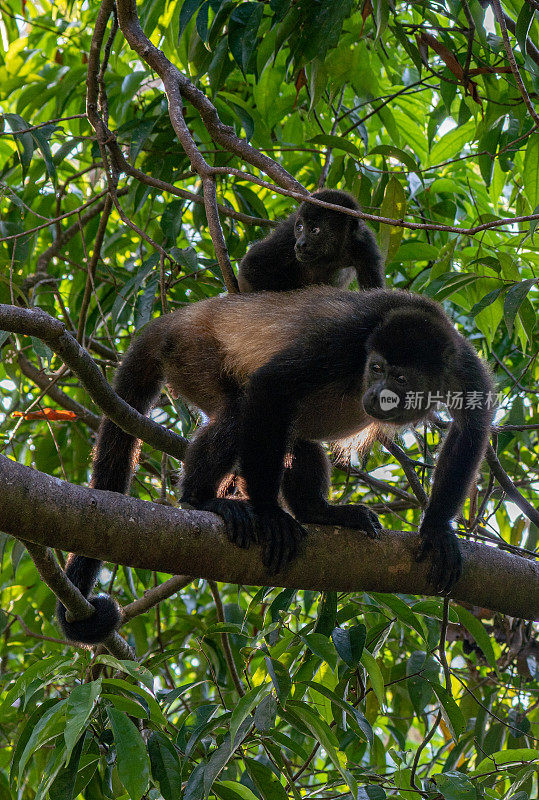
(397,153)
(49,727)
(489,142)
(448,283)
(320,29)
(41,137)
(434,608)
(132,758)
(418,686)
(280,677)
(417,251)
(130,706)
(230,790)
(501,758)
(452,714)
(265,714)
(477,630)
(36,671)
(63,786)
(372,792)
(381,15)
(349,643)
(451,144)
(336,142)
(454,785)
(188,8)
(322,733)
(362,722)
(265,781)
(513,300)
(393,206)
(24,141)
(327,613)
(402,611)
(244,707)
(375,674)
(48,708)
(530,172)
(487,300)
(522,27)
(207,724)
(137,671)
(281,603)
(165,764)
(242,29)
(321,646)
(220,757)
(194,789)
(202,21)
(80,705)
(140,694)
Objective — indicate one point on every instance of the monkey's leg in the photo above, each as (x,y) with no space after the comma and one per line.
(306,485)
(212,454)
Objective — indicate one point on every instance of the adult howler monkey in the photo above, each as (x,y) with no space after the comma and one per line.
(314,245)
(278,373)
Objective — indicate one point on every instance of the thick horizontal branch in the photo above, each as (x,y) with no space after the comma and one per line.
(112,527)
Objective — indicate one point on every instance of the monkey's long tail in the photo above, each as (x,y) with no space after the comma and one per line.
(138,382)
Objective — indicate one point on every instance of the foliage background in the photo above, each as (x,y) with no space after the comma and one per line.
(413,108)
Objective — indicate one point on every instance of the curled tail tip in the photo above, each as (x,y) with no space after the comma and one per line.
(94,629)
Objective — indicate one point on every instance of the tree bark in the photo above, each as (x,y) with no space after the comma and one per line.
(112,527)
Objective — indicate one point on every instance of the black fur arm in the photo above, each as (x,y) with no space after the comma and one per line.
(270,264)
(367,259)
(458,462)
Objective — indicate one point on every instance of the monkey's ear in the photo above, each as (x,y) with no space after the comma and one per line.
(357,228)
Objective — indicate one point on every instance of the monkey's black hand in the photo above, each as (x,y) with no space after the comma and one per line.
(353,516)
(360,517)
(280,536)
(238,516)
(440,543)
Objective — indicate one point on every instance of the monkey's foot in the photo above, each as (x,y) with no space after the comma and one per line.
(441,544)
(277,532)
(238,516)
(357,516)
(280,536)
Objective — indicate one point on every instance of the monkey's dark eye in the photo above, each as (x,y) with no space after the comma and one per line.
(376,368)
(315,231)
(402,379)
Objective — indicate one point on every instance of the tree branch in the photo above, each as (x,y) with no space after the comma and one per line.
(36,322)
(500,19)
(110,526)
(171,77)
(509,487)
(55,393)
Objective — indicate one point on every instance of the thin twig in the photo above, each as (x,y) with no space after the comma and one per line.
(447,673)
(227,650)
(500,19)
(154,596)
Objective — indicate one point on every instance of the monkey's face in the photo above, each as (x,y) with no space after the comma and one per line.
(319,234)
(397,394)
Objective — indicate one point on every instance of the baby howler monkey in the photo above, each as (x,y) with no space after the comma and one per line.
(314,245)
(278,373)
